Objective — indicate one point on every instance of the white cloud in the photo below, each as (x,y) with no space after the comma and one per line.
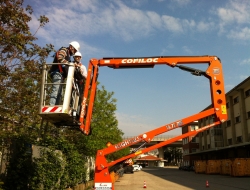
(80,6)
(245,62)
(117,19)
(235,14)
(204,26)
(172,24)
(154,19)
(189,24)
(138,2)
(130,23)
(75,19)
(240,34)
(236,11)
(106,18)
(182,2)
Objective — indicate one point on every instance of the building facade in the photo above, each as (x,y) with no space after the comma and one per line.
(190,144)
(228,140)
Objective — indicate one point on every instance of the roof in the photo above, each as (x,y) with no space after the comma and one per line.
(148,158)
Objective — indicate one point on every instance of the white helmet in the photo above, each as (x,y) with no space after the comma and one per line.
(78,54)
(75,44)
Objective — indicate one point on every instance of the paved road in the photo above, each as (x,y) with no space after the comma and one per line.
(175,179)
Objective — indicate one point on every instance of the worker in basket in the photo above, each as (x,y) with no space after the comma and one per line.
(59,72)
(80,76)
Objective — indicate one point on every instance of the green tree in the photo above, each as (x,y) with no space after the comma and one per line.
(20,72)
(104,127)
(19,168)
(20,62)
(60,166)
(173,154)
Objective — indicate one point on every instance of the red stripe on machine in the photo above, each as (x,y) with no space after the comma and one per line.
(51,109)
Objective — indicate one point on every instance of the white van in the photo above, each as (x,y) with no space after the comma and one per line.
(136,167)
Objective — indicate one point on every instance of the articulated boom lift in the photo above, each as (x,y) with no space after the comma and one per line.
(218,110)
(66,114)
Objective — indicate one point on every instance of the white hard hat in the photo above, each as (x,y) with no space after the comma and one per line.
(78,54)
(75,44)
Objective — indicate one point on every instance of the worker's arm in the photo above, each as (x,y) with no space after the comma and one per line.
(83,71)
(61,55)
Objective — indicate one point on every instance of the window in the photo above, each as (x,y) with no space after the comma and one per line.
(248,114)
(247,93)
(186,151)
(239,139)
(194,127)
(228,123)
(236,100)
(208,146)
(227,105)
(229,141)
(237,119)
(208,131)
(193,150)
(193,139)
(185,140)
(218,144)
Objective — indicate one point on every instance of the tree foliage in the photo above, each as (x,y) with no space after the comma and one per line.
(20,61)
(173,154)
(60,166)
(19,167)
(20,72)
(16,41)
(104,127)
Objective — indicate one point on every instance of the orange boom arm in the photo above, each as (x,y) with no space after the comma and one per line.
(213,73)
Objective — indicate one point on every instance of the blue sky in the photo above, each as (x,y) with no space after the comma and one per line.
(150,98)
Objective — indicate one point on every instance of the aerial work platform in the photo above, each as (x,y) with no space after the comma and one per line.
(67,111)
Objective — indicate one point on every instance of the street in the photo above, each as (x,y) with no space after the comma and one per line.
(172,178)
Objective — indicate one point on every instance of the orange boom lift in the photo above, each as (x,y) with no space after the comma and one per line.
(65,115)
(218,110)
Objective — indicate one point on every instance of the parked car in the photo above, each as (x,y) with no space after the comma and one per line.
(136,168)
(186,168)
(192,168)
(128,169)
(181,168)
